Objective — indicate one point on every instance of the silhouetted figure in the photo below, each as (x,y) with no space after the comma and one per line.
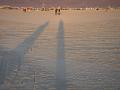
(24,9)
(57,11)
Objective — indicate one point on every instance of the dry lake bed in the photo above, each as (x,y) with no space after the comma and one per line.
(77,50)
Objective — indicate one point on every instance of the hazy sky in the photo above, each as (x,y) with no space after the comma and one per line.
(64,3)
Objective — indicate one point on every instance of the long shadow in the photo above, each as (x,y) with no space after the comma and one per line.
(12,60)
(60,65)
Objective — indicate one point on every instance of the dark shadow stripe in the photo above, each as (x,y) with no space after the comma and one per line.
(60,65)
(28,42)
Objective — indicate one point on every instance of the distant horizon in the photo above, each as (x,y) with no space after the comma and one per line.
(62,3)
(56,6)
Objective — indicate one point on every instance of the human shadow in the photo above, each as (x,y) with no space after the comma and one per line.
(12,60)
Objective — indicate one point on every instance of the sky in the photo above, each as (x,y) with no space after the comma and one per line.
(62,3)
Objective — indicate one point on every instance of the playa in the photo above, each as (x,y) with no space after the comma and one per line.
(77,50)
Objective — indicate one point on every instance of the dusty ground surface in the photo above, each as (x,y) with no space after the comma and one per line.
(78,50)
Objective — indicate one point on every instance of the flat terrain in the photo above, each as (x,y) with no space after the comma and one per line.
(77,50)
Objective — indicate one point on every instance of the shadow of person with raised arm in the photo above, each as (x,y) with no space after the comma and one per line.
(14,58)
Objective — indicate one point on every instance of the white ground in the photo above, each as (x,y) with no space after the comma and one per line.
(91,49)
